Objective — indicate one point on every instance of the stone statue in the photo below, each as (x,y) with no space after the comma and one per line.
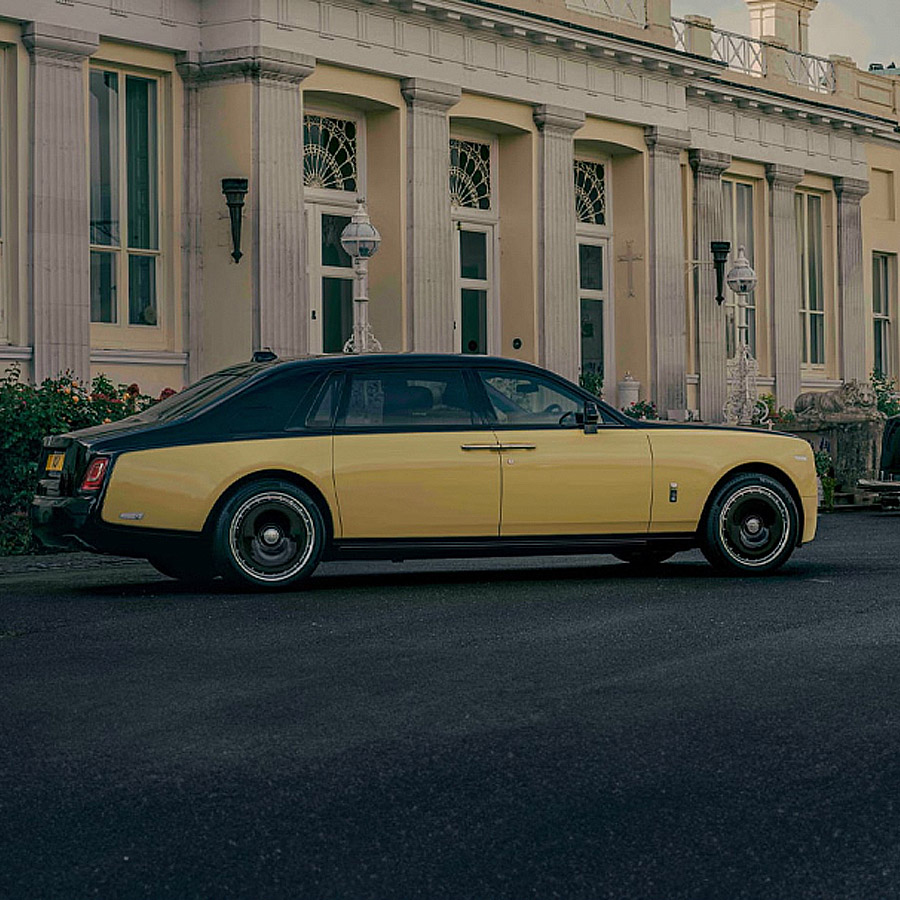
(853,401)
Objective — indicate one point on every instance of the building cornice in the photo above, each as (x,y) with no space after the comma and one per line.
(434,94)
(783,177)
(558,118)
(246,64)
(851,189)
(67,45)
(709,162)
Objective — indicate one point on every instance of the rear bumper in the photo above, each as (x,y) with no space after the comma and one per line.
(75,522)
(61,521)
(810,518)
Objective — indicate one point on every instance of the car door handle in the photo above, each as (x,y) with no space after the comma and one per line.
(504,447)
(494,447)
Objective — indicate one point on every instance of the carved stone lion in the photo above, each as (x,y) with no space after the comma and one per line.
(851,401)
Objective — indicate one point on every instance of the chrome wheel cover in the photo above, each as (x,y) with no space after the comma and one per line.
(754,526)
(272,537)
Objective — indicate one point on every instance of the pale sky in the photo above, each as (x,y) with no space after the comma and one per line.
(867,30)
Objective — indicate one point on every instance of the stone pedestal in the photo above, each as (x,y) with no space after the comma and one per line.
(430,275)
(709,226)
(668,304)
(559,318)
(59,271)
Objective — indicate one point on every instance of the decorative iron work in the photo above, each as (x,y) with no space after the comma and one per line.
(329,153)
(743,406)
(470,174)
(590,192)
(634,11)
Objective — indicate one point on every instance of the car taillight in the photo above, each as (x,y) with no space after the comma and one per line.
(96,472)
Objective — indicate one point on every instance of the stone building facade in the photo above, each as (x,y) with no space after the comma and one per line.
(547,177)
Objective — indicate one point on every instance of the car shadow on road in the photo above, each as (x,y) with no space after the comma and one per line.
(335,577)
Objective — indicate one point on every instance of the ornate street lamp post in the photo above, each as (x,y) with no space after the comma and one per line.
(360,240)
(742,401)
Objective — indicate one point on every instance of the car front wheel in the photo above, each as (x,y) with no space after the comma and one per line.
(752,525)
(269,535)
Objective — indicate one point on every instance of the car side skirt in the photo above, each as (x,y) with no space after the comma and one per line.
(457,548)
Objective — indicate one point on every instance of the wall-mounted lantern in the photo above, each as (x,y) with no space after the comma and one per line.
(720,252)
(235,189)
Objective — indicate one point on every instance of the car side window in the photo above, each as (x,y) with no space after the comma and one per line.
(264,408)
(416,399)
(524,400)
(321,415)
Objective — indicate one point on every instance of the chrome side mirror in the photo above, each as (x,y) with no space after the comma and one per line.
(590,417)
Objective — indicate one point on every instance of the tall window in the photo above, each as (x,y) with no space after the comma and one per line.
(331,177)
(592,222)
(882,306)
(812,278)
(125,254)
(740,312)
(472,200)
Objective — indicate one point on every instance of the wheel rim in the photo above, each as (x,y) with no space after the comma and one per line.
(272,536)
(754,526)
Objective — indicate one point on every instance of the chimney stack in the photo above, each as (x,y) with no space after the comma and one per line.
(784,20)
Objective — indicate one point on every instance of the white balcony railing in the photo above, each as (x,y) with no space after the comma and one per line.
(811,72)
(739,52)
(681,34)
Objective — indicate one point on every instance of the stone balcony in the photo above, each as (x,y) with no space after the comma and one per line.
(769,64)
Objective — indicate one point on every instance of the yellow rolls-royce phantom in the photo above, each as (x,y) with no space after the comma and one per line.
(258,472)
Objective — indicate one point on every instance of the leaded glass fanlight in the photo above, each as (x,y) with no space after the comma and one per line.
(470,174)
(329,153)
(590,192)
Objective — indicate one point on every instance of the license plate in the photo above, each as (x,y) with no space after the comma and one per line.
(55,462)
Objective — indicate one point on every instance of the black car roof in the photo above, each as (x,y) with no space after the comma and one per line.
(351,360)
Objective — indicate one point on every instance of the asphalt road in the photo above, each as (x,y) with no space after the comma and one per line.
(552,728)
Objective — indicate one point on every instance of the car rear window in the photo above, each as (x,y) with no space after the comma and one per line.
(192,399)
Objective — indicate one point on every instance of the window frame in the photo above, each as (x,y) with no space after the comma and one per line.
(809,314)
(320,202)
(481,220)
(122,332)
(741,307)
(882,319)
(598,235)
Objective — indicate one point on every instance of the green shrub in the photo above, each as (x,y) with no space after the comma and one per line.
(886,393)
(593,382)
(28,414)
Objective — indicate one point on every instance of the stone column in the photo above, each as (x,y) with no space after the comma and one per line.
(784,287)
(854,312)
(668,305)
(558,314)
(709,225)
(430,275)
(191,207)
(277,234)
(276,194)
(59,270)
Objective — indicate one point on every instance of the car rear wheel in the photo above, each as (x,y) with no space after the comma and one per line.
(752,525)
(269,535)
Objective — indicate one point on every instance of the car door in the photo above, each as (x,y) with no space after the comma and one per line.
(414,457)
(556,479)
